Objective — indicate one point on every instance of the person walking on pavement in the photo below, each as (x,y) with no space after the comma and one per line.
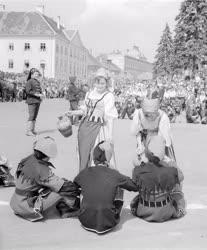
(34,99)
(73,96)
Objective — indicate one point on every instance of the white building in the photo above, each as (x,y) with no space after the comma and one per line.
(77,55)
(131,62)
(31,39)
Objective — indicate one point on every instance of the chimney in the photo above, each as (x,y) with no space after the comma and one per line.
(2,7)
(41,9)
(58,22)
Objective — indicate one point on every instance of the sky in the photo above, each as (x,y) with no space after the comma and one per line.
(107,25)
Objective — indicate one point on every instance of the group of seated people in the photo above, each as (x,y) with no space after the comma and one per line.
(94,195)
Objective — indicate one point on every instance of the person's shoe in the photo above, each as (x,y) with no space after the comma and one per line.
(33,128)
(8,180)
(30,129)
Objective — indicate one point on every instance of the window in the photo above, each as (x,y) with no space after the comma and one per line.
(11,46)
(61,50)
(27,46)
(26,64)
(11,64)
(71,52)
(42,65)
(66,51)
(42,47)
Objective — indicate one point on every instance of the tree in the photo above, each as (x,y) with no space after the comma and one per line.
(163,58)
(190,40)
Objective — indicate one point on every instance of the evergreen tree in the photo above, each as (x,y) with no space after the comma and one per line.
(163,58)
(190,41)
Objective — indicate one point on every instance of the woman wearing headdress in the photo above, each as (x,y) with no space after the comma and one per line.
(98,112)
(149,120)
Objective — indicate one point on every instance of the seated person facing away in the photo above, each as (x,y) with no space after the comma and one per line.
(100,209)
(38,191)
(160,197)
(6,178)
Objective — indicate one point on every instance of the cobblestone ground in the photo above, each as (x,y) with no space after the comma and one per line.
(189,232)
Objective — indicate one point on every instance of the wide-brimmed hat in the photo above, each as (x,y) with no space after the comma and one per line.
(150,105)
(101,72)
(103,152)
(47,146)
(156,146)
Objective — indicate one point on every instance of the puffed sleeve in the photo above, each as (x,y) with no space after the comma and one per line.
(136,124)
(109,107)
(165,129)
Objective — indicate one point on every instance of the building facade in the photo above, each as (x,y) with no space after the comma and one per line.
(31,39)
(131,63)
(77,57)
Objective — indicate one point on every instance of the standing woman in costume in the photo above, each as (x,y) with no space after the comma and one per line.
(99,112)
(149,120)
(34,98)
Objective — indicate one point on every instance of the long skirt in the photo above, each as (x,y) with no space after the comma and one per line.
(87,134)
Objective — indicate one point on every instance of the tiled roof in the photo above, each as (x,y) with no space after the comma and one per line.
(107,64)
(70,33)
(92,61)
(28,23)
(53,24)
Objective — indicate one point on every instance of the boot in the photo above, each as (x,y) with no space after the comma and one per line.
(33,127)
(30,128)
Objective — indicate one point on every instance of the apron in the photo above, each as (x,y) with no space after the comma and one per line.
(88,131)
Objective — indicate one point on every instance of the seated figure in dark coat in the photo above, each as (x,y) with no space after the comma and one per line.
(39,191)
(160,194)
(100,208)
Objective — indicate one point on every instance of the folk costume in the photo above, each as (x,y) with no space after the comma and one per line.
(73,96)
(33,99)
(96,125)
(160,197)
(143,128)
(99,208)
(38,190)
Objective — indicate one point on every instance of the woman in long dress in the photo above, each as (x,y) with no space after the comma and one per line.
(98,112)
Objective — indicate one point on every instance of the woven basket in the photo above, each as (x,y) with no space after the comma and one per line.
(64,126)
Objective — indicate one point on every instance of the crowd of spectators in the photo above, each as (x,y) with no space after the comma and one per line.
(187,97)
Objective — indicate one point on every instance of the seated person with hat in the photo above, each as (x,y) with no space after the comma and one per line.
(100,208)
(39,191)
(160,197)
